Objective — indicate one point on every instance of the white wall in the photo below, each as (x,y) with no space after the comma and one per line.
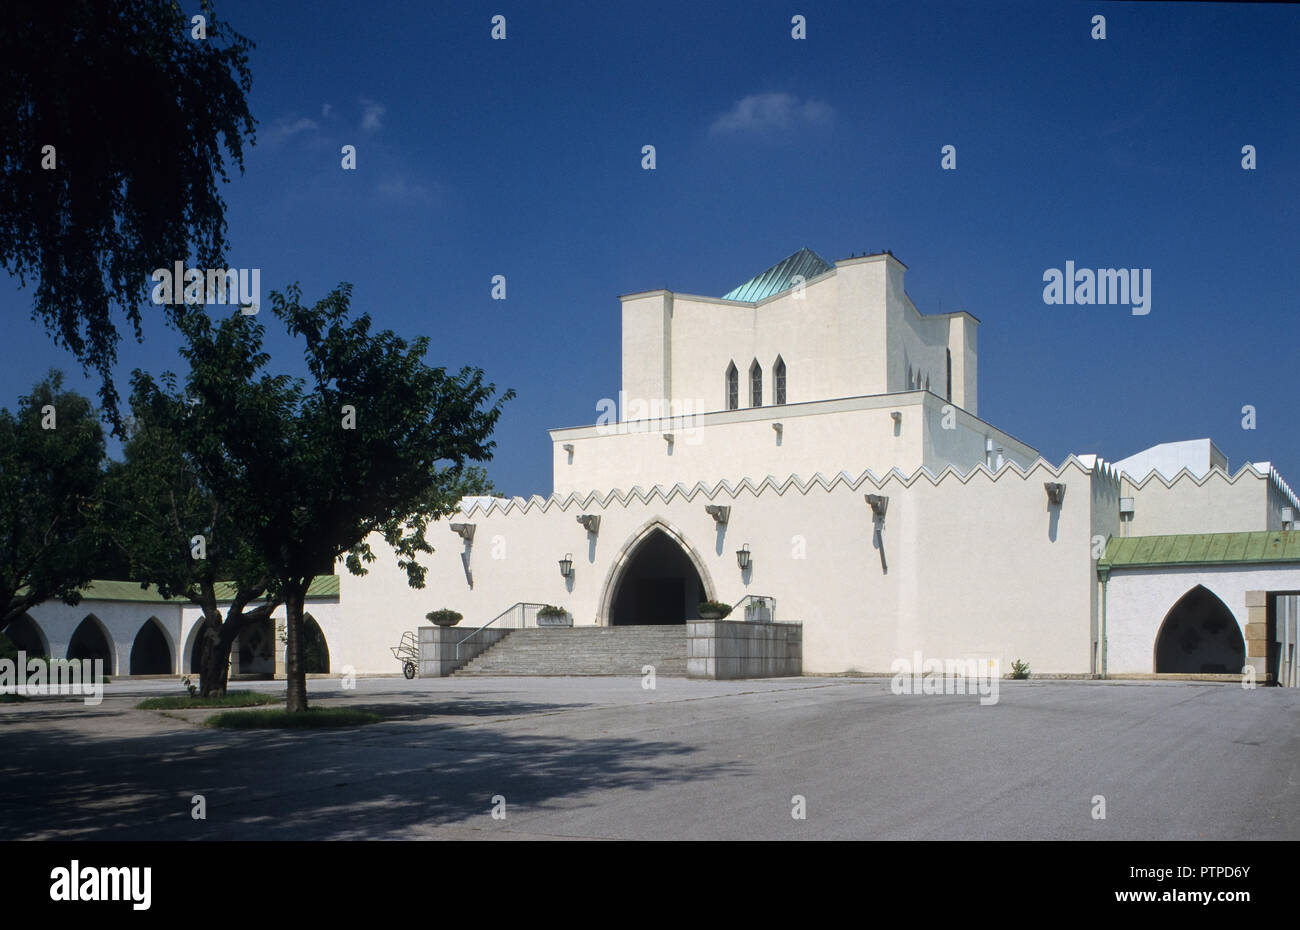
(1139,598)
(852,435)
(123,620)
(977,567)
(850,332)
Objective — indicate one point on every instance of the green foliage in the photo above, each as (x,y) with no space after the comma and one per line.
(313,719)
(160,497)
(50,481)
(716,607)
(229,699)
(139,114)
(445,616)
(1019,670)
(476,483)
(374,441)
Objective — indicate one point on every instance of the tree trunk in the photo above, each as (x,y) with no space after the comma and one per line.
(214,665)
(295,669)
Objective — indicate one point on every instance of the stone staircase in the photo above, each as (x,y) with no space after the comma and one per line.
(592,650)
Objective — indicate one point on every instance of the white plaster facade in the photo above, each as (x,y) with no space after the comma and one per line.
(973,559)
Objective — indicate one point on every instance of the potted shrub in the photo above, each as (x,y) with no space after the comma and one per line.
(713,610)
(443,617)
(552,616)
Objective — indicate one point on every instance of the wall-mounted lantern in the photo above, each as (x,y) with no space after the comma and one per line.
(879,504)
(566,565)
(719,512)
(743,558)
(464,530)
(1055,492)
(590,522)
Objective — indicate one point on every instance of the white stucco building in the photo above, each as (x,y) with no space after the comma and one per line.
(809,446)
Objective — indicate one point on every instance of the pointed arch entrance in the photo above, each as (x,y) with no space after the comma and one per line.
(1199,635)
(658,578)
(151,653)
(26,634)
(91,641)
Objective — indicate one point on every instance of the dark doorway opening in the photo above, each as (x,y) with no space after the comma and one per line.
(89,642)
(315,651)
(1199,635)
(151,654)
(659,585)
(26,637)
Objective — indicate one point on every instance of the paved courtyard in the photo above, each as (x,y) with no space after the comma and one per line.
(603,758)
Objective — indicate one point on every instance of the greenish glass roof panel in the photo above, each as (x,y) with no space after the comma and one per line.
(1202,549)
(780,277)
(321,586)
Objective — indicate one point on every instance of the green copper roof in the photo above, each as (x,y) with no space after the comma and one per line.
(1202,549)
(321,586)
(776,279)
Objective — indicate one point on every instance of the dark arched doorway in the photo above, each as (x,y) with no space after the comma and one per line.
(1200,635)
(255,648)
(315,651)
(90,641)
(659,584)
(151,654)
(26,636)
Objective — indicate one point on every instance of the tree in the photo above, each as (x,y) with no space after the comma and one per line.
(375,441)
(113,118)
(166,518)
(51,472)
(476,483)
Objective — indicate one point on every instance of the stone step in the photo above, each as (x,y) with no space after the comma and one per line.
(587,651)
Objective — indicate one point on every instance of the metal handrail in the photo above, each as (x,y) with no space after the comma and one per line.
(521,606)
(758,602)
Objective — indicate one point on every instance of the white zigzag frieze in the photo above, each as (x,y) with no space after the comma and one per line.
(724,488)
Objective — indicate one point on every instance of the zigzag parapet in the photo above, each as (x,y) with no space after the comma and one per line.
(781,486)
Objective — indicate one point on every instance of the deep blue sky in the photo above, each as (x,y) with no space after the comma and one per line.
(480,157)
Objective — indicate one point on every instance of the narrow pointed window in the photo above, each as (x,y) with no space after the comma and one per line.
(778,381)
(733,387)
(755,384)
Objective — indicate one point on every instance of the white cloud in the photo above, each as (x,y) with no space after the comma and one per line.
(283,129)
(774,112)
(372,114)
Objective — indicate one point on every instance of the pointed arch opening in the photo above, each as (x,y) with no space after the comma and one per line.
(27,636)
(254,650)
(657,579)
(755,384)
(1199,635)
(315,651)
(778,381)
(151,653)
(733,387)
(91,641)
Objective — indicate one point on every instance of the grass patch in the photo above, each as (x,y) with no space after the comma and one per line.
(312,719)
(11,698)
(229,699)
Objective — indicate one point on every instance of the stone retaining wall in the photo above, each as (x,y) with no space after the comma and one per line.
(726,649)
